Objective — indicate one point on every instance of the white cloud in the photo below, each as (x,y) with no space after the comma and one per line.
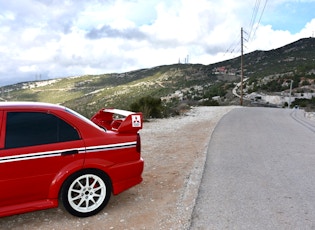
(267,38)
(308,30)
(100,36)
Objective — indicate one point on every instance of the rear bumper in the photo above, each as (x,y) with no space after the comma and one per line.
(125,176)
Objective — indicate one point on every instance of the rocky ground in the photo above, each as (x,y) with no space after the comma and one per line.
(174,151)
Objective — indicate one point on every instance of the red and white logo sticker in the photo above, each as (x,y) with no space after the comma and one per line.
(136,121)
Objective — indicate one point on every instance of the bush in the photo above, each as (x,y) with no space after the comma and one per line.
(210,103)
(150,107)
(303,103)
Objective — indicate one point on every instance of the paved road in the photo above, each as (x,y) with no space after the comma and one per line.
(259,172)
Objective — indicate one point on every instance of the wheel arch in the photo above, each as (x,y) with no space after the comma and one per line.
(96,171)
(67,172)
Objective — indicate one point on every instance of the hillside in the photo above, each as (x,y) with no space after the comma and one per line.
(181,84)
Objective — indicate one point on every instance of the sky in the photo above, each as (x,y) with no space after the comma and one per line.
(47,39)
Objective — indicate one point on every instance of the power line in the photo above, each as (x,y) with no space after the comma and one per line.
(262,12)
(254,15)
(257,12)
(233,46)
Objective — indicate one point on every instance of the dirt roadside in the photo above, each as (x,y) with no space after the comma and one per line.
(174,151)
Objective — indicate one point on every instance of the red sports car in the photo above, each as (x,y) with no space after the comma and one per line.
(50,153)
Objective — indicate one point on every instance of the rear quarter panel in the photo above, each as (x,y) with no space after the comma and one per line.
(123,164)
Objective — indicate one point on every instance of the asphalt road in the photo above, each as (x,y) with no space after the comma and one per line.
(259,172)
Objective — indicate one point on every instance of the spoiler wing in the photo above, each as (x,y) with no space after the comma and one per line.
(118,120)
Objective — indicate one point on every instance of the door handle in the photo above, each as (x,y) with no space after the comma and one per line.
(70,152)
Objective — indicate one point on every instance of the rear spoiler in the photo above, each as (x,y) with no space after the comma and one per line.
(121,121)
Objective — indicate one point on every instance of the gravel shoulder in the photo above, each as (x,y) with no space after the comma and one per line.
(174,151)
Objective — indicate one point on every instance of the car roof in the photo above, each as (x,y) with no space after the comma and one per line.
(29,104)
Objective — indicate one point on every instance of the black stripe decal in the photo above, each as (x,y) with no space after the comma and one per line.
(25,157)
(111,147)
(31,156)
(64,152)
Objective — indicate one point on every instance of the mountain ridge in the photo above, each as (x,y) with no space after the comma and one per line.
(175,84)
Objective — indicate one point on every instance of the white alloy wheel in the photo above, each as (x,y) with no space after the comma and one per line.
(86,194)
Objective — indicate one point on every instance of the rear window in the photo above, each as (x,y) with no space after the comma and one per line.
(37,128)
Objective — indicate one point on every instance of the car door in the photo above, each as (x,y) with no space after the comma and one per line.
(35,147)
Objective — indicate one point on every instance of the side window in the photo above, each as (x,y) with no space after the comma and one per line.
(36,128)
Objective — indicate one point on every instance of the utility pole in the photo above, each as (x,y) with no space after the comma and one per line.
(289,104)
(242,68)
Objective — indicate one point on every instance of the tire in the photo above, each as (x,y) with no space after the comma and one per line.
(86,193)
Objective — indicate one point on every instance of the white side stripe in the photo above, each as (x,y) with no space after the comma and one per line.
(111,146)
(31,156)
(56,153)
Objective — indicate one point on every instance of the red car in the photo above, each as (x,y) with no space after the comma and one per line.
(50,153)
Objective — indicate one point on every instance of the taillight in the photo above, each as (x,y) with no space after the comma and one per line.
(138,146)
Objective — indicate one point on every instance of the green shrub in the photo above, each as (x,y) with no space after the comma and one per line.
(150,107)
